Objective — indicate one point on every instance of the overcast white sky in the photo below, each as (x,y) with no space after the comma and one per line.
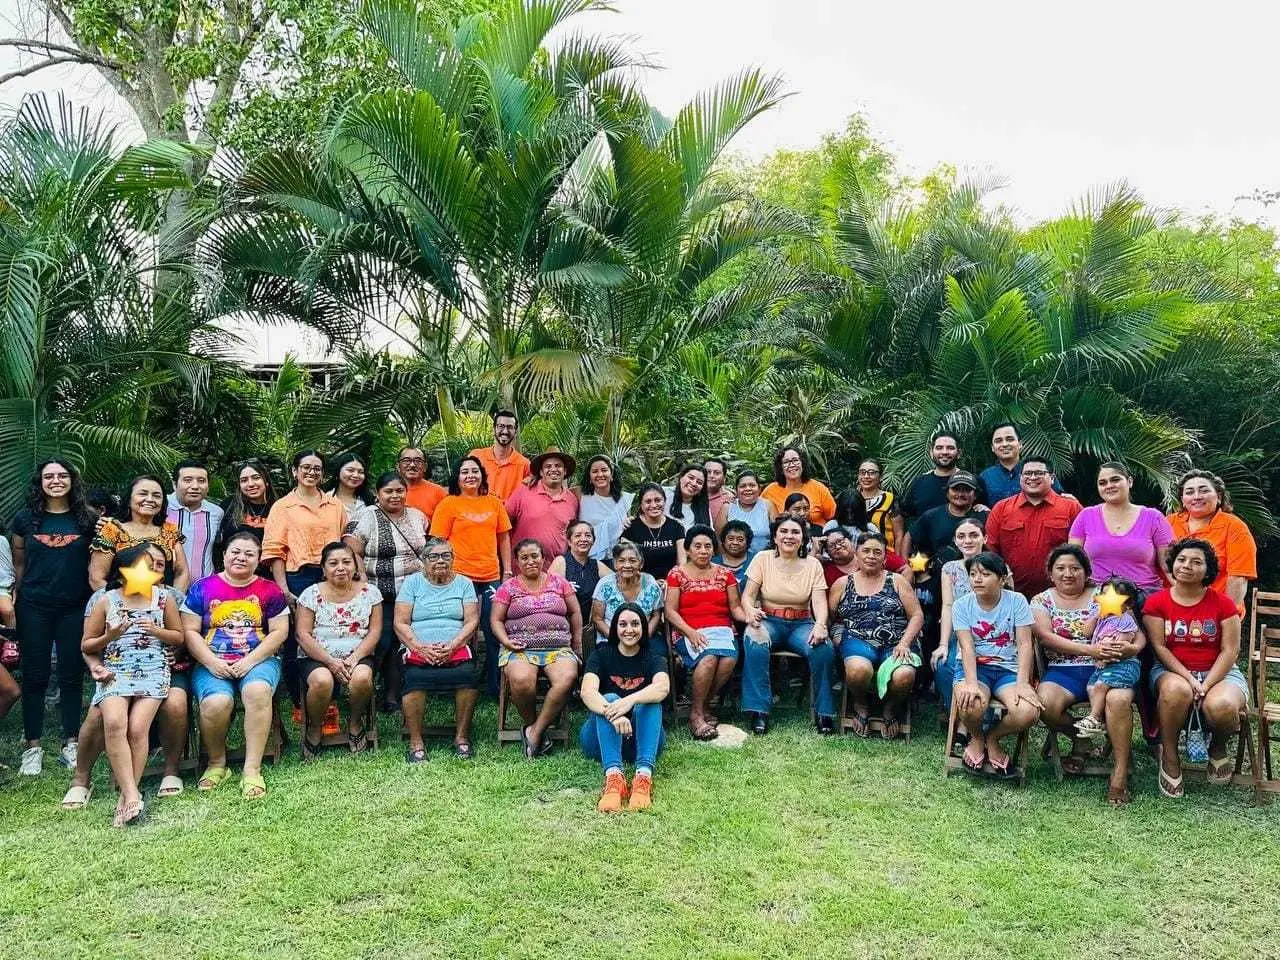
(1176,97)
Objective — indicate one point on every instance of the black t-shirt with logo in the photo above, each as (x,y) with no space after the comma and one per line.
(625,675)
(56,570)
(658,546)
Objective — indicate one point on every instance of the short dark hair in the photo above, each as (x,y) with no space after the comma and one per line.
(702,530)
(1211,566)
(944,433)
(128,557)
(1124,587)
(334,547)
(1006,425)
(528,542)
(455,487)
(737,526)
(867,536)
(388,477)
(1038,458)
(987,560)
(242,535)
(794,498)
(504,412)
(1070,550)
(189,463)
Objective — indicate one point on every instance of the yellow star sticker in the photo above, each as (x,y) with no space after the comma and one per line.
(140,578)
(1110,602)
(919,562)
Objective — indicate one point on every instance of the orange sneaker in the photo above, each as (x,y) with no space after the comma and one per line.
(331,720)
(297,716)
(641,792)
(615,790)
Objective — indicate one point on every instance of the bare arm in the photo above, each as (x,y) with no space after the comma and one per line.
(504,554)
(899,528)
(181,575)
(597,617)
(498,624)
(575,623)
(200,651)
(1236,589)
(18,547)
(306,625)
(1155,633)
(99,567)
(1227,655)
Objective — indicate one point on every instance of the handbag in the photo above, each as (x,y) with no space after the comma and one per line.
(9,653)
(1197,741)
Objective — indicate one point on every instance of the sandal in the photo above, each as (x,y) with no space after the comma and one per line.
(213,778)
(544,746)
(252,786)
(704,731)
(1171,787)
(1001,767)
(859,723)
(1219,772)
(1118,796)
(357,742)
(527,744)
(310,750)
(1091,727)
(170,786)
(890,729)
(464,751)
(77,797)
(135,813)
(415,756)
(973,762)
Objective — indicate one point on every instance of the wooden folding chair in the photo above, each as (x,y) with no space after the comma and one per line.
(1263,655)
(875,722)
(1051,751)
(952,760)
(274,749)
(558,732)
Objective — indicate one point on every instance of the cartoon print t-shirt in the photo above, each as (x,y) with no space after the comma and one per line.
(625,675)
(994,631)
(234,619)
(1192,634)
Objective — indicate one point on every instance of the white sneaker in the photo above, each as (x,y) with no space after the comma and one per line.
(68,756)
(32,762)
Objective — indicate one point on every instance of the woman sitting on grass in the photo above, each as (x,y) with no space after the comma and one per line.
(339,623)
(235,622)
(124,640)
(624,686)
(993,626)
(539,627)
(1195,633)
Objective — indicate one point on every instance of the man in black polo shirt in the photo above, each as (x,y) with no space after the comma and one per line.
(930,490)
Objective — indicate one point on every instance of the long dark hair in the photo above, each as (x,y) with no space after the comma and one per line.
(700,507)
(851,509)
(455,485)
(615,483)
(84,515)
(363,493)
(638,610)
(124,512)
(235,505)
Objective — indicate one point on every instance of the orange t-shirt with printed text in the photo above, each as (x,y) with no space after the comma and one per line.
(472,526)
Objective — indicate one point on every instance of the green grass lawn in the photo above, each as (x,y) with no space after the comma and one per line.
(793,846)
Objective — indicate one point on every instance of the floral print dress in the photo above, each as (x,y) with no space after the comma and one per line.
(137,659)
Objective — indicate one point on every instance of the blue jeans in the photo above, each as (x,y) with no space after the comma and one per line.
(601,742)
(793,635)
(491,648)
(298,581)
(944,677)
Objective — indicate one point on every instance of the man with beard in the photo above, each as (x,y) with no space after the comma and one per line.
(930,490)
(505,468)
(420,493)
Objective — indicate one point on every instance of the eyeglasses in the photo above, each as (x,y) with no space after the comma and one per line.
(868,473)
(793,462)
(439,557)
(1035,473)
(311,469)
(411,460)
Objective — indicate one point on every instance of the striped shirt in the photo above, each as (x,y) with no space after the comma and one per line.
(200,528)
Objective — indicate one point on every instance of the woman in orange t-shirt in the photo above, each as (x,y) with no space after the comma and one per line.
(476,525)
(1206,514)
(791,475)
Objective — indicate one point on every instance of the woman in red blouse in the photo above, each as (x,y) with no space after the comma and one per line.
(702,603)
(1195,633)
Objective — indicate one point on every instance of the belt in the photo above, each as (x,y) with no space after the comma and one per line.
(787,613)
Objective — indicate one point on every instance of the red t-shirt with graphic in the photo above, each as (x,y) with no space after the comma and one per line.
(1192,634)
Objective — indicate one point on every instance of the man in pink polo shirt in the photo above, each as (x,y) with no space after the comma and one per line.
(543,510)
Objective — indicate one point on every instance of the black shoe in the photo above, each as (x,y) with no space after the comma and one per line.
(388,706)
(826,726)
(759,724)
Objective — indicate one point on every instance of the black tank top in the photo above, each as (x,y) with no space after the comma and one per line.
(583,577)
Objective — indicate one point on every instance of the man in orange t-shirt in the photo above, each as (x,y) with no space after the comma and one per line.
(420,493)
(506,469)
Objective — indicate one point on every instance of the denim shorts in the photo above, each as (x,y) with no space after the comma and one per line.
(857,647)
(1233,677)
(992,676)
(1071,677)
(207,685)
(1121,675)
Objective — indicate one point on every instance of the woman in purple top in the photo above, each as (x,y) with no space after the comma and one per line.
(1122,538)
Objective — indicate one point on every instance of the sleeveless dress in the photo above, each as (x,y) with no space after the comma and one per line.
(138,661)
(757,518)
(878,619)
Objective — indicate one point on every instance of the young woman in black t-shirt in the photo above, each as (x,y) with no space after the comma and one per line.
(659,537)
(624,686)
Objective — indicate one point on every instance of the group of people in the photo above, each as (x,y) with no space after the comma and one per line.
(403,589)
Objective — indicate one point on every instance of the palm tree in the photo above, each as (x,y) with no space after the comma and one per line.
(434,210)
(87,352)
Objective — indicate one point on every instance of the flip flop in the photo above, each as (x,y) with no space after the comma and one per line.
(527,744)
(1001,768)
(415,756)
(1220,771)
(1118,796)
(1171,787)
(861,722)
(310,750)
(252,786)
(136,814)
(170,786)
(357,742)
(704,731)
(77,797)
(973,766)
(464,751)
(213,778)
